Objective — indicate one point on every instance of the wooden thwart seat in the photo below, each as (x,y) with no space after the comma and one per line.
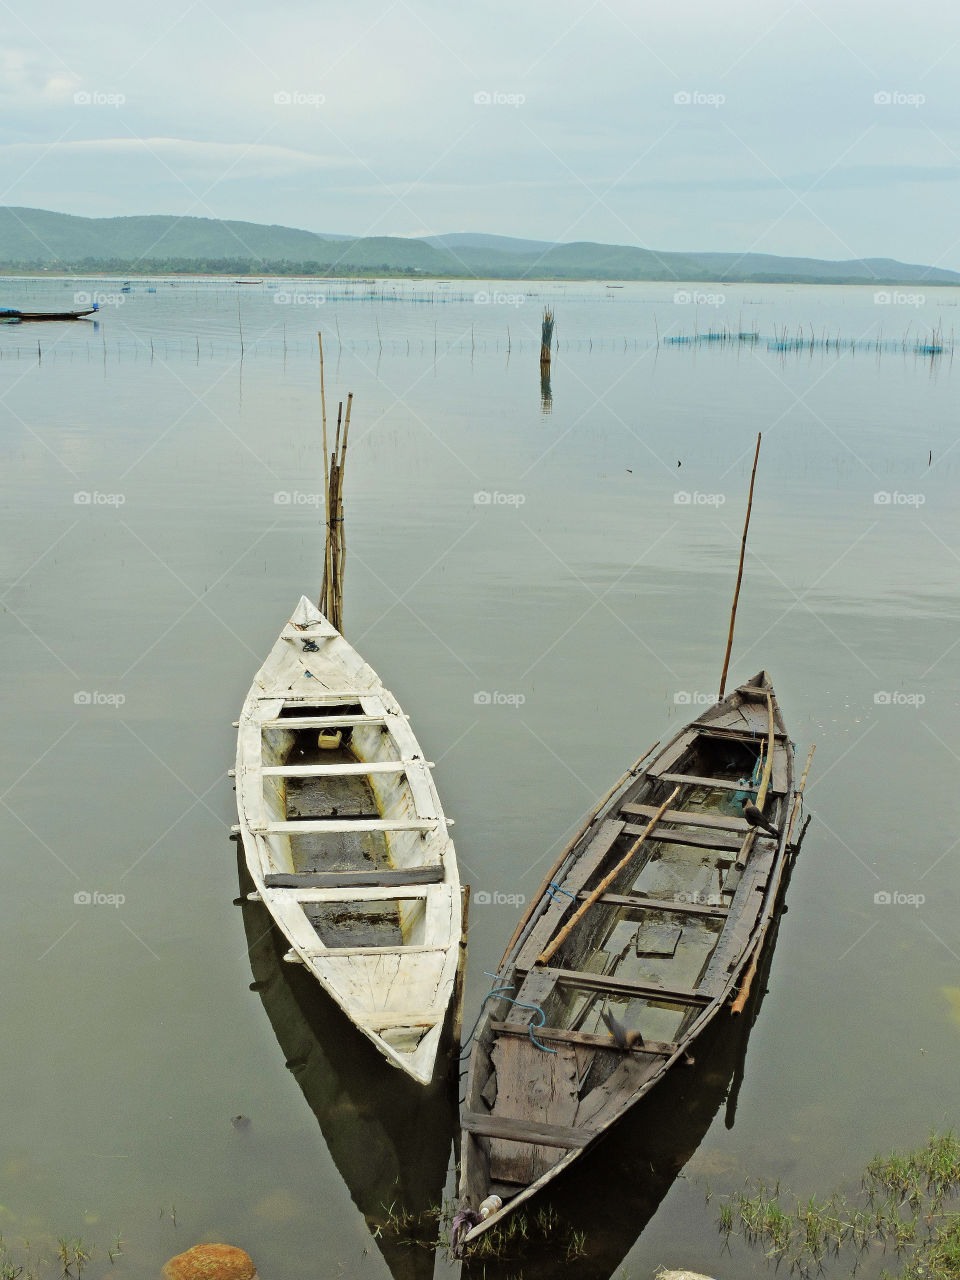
(659,904)
(697,839)
(660,1048)
(333,770)
(608,984)
(719,821)
(345,824)
(543,1135)
(374,877)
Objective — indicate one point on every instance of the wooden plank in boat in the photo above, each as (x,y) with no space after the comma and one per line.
(353,879)
(659,1048)
(721,822)
(338,824)
(611,985)
(713,784)
(660,904)
(698,839)
(321,722)
(536,1090)
(546,1135)
(332,770)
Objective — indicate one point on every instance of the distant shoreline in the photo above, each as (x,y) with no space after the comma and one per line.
(277,272)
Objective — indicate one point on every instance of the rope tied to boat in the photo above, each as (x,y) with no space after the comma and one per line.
(502,992)
(553,889)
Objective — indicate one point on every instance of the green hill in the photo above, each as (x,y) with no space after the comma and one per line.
(40,240)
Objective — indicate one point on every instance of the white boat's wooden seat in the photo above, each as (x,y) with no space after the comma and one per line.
(354,879)
(331,770)
(326,722)
(345,824)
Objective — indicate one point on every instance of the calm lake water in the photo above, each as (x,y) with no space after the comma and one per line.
(573,559)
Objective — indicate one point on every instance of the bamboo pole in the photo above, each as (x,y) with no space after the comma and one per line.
(798,798)
(327,575)
(749,842)
(456,1034)
(549,951)
(744,994)
(743,548)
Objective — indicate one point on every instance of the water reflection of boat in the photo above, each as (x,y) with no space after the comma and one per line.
(637,941)
(389,1137)
(613,1192)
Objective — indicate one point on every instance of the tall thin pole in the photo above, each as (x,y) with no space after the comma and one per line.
(743,549)
(327,567)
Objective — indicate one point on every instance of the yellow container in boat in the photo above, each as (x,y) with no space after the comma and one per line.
(329,739)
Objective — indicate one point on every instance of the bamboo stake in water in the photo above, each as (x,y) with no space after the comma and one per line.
(743,548)
(549,951)
(326,484)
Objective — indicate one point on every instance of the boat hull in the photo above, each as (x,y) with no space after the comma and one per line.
(346,840)
(643,929)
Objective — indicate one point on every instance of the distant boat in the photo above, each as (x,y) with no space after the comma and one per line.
(126,287)
(614,286)
(248,282)
(15,317)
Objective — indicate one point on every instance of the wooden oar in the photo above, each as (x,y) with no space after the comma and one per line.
(744,993)
(547,954)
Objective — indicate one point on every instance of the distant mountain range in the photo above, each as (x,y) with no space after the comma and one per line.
(40,240)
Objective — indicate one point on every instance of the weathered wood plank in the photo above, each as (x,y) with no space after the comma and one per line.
(610,985)
(657,1048)
(354,879)
(345,824)
(544,1135)
(696,839)
(661,904)
(533,1087)
(722,822)
(321,722)
(332,770)
(695,780)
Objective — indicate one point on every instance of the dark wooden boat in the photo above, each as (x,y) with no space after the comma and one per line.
(24,316)
(641,931)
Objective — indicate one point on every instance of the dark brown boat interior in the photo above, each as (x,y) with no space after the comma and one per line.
(654,950)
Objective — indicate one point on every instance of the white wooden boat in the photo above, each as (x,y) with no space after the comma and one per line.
(346,839)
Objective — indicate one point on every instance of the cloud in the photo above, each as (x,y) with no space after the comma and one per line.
(242,159)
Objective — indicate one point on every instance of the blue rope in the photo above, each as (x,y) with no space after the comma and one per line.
(553,889)
(502,991)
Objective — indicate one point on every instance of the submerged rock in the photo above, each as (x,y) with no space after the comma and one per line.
(211,1262)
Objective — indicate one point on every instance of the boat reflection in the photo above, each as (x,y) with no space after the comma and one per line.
(389,1137)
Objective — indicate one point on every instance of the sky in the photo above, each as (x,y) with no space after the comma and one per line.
(800,128)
